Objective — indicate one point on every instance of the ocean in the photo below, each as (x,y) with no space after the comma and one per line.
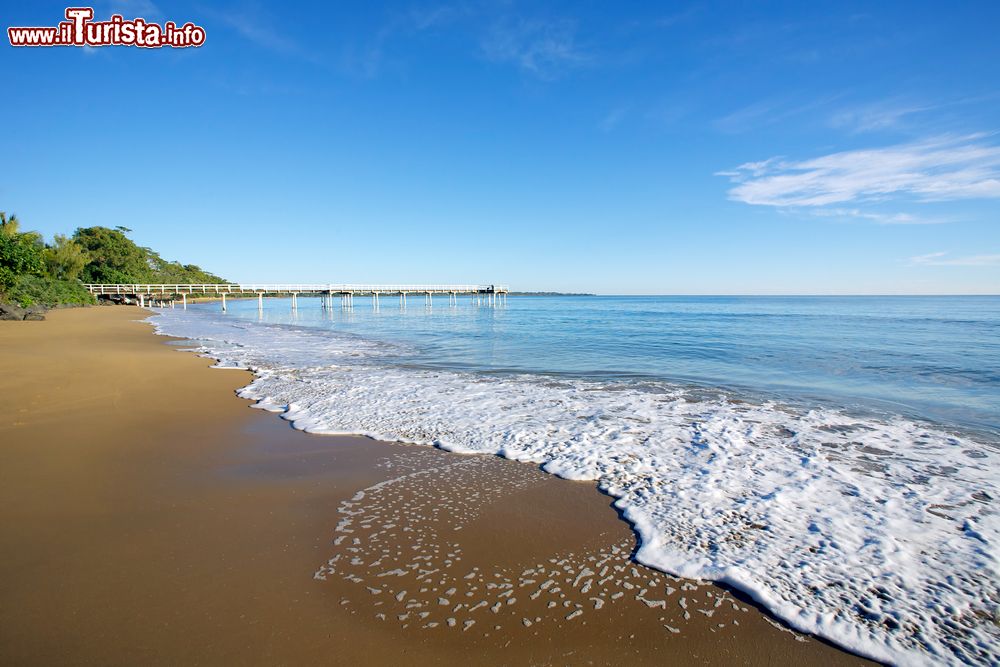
(835,458)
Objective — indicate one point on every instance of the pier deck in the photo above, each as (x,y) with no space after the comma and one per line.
(492,294)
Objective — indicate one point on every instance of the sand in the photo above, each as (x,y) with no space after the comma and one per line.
(150,517)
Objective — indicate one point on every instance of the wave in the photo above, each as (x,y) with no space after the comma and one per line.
(877,533)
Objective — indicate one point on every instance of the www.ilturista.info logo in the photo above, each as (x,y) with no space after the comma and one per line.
(79,29)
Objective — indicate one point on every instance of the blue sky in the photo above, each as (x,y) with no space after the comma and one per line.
(585,146)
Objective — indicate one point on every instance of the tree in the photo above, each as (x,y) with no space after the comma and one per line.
(32,272)
(9,224)
(112,257)
(20,252)
(175,272)
(65,258)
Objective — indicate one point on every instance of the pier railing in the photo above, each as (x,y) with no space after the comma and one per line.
(167,294)
(290,288)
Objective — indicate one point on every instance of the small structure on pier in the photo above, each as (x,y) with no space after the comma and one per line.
(488,295)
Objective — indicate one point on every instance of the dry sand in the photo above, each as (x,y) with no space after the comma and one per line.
(149,517)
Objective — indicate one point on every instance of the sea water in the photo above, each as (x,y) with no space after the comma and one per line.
(836,458)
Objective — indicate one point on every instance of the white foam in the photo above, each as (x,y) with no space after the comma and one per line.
(878,534)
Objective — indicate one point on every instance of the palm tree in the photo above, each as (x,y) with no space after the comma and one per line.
(9,226)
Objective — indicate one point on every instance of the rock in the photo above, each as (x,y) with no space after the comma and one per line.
(9,311)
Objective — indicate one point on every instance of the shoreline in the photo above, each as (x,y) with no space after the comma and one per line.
(150,517)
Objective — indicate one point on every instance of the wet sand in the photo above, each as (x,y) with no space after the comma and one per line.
(150,517)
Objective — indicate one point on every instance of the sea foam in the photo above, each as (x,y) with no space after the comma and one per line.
(879,534)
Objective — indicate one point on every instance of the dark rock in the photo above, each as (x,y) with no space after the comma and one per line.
(9,311)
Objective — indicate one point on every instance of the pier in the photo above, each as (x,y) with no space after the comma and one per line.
(479,295)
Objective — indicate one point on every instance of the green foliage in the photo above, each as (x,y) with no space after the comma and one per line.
(38,291)
(9,225)
(175,272)
(32,273)
(65,258)
(112,257)
(20,253)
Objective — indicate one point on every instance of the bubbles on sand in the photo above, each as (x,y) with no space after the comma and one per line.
(400,543)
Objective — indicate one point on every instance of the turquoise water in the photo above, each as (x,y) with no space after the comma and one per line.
(931,357)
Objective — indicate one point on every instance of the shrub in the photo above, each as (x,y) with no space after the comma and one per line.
(36,291)
(20,254)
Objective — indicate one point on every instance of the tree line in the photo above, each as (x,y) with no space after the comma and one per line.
(33,272)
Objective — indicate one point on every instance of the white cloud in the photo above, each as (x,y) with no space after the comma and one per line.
(942,259)
(939,169)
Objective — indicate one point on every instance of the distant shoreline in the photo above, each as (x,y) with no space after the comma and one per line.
(551,294)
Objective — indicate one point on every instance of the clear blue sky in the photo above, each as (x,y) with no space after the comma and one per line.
(612,147)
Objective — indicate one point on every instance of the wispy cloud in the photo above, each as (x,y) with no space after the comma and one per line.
(366,60)
(256,25)
(665,21)
(939,169)
(877,217)
(943,259)
(670,20)
(543,47)
(133,8)
(896,113)
(370,55)
(425,18)
(876,116)
(613,118)
(767,112)
(258,32)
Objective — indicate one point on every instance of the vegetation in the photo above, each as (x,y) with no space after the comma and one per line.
(65,258)
(43,291)
(20,252)
(113,257)
(35,273)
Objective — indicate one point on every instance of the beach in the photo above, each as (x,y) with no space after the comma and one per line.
(151,517)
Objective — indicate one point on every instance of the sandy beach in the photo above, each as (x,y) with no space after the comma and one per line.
(150,517)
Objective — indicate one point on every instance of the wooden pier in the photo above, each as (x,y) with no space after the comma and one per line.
(484,295)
